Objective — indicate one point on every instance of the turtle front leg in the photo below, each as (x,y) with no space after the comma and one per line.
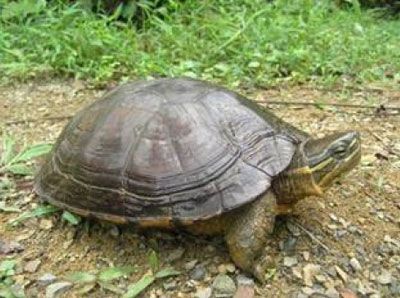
(247,234)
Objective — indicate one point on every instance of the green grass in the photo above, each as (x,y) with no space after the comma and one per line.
(248,41)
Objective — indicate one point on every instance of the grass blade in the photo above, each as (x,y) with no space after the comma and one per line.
(137,288)
(81,277)
(8,150)
(31,152)
(153,261)
(4,208)
(166,273)
(38,212)
(115,272)
(18,169)
(71,218)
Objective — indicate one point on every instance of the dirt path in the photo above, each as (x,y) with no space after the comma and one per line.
(346,243)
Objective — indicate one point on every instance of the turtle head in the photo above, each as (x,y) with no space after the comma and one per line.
(316,164)
(330,157)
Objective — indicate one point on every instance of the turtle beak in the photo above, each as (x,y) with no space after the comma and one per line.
(333,156)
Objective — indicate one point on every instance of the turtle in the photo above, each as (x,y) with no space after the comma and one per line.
(185,154)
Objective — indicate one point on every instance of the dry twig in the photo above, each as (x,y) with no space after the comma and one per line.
(311,235)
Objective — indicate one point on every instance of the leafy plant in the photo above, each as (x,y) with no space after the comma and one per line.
(7,270)
(102,279)
(135,289)
(16,162)
(40,211)
(71,218)
(253,42)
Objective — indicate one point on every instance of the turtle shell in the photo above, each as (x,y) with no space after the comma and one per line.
(166,150)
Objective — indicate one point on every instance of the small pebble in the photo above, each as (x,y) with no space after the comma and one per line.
(289,261)
(385,277)
(46,224)
(198,273)
(308,291)
(332,293)
(309,271)
(7,247)
(32,266)
(320,278)
(297,272)
(341,273)
(203,293)
(224,285)
(355,264)
(46,279)
(244,292)
(190,265)
(114,231)
(347,293)
(169,286)
(58,288)
(243,280)
(289,245)
(175,255)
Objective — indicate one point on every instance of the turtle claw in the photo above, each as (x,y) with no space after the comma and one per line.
(261,267)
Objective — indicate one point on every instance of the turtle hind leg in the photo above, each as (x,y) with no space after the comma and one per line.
(247,234)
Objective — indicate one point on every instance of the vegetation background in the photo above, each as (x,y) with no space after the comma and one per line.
(324,53)
(248,42)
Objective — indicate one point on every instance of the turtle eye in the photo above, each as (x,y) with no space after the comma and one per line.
(340,150)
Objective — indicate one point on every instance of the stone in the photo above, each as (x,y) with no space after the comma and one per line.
(175,255)
(198,273)
(332,293)
(309,271)
(320,278)
(244,292)
(289,261)
(114,231)
(46,279)
(203,293)
(308,291)
(46,224)
(243,280)
(8,247)
(190,265)
(341,273)
(231,268)
(355,264)
(224,285)
(395,288)
(32,266)
(297,272)
(57,289)
(385,277)
(169,286)
(289,245)
(347,293)
(306,255)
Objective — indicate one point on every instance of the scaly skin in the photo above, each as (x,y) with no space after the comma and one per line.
(247,235)
(246,232)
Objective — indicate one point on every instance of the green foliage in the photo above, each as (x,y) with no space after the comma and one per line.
(252,42)
(71,218)
(136,288)
(81,277)
(40,211)
(15,162)
(115,273)
(7,270)
(153,261)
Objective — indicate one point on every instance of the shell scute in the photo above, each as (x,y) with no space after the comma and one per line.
(170,148)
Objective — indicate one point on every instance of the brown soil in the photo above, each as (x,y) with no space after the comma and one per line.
(367,200)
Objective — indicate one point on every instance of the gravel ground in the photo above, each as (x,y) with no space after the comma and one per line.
(345,244)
